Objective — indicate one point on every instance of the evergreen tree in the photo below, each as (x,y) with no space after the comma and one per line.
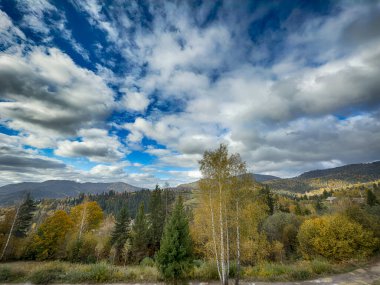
(120,233)
(24,217)
(157,219)
(269,200)
(175,255)
(139,236)
(371,198)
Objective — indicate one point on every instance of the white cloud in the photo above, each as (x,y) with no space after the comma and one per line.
(95,144)
(135,101)
(49,96)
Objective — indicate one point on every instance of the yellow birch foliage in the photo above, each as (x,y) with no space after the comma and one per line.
(335,237)
(90,213)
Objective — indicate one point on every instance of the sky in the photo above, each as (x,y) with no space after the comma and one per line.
(136,91)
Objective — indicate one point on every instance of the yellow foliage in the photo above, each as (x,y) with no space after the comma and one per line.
(87,215)
(335,237)
(50,238)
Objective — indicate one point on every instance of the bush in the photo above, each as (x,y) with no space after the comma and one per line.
(46,275)
(205,271)
(147,261)
(82,250)
(101,272)
(335,238)
(301,274)
(9,275)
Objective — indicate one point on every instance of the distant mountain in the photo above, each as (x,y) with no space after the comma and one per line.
(9,194)
(263,177)
(258,177)
(331,178)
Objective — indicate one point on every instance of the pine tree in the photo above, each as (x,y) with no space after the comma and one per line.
(371,198)
(269,200)
(157,219)
(175,255)
(139,236)
(24,217)
(120,233)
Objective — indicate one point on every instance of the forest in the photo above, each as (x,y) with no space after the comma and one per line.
(230,227)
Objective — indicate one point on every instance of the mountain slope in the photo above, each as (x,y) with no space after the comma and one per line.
(257,177)
(332,178)
(11,193)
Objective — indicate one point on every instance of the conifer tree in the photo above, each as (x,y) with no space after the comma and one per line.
(120,233)
(139,235)
(175,255)
(157,219)
(24,217)
(371,198)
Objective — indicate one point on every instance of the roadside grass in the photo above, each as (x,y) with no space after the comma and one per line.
(65,272)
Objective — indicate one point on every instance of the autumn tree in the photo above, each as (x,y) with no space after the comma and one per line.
(49,241)
(86,216)
(335,237)
(175,255)
(221,201)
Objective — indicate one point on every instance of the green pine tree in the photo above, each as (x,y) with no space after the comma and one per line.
(139,236)
(371,198)
(120,233)
(24,217)
(157,219)
(174,258)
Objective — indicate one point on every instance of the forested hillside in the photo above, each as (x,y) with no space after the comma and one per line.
(332,178)
(12,193)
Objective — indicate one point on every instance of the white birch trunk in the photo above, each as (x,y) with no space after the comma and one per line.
(237,245)
(10,233)
(214,236)
(82,222)
(222,252)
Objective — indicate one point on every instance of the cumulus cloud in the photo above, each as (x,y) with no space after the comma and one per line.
(46,94)
(135,101)
(297,94)
(95,144)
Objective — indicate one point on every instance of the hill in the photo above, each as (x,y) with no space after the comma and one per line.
(332,178)
(9,194)
(257,177)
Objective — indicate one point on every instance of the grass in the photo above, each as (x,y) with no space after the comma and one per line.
(301,270)
(64,272)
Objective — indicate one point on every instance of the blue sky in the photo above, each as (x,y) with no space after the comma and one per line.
(136,91)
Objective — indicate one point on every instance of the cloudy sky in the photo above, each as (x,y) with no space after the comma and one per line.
(135,91)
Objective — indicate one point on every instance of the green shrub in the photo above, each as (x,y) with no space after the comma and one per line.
(205,271)
(9,275)
(301,274)
(46,275)
(147,261)
(101,272)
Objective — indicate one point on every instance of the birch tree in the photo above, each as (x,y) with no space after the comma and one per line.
(222,176)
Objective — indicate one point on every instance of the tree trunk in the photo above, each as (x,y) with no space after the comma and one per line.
(237,245)
(222,249)
(10,233)
(214,236)
(82,222)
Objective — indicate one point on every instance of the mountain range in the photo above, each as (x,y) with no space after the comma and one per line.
(10,194)
(307,181)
